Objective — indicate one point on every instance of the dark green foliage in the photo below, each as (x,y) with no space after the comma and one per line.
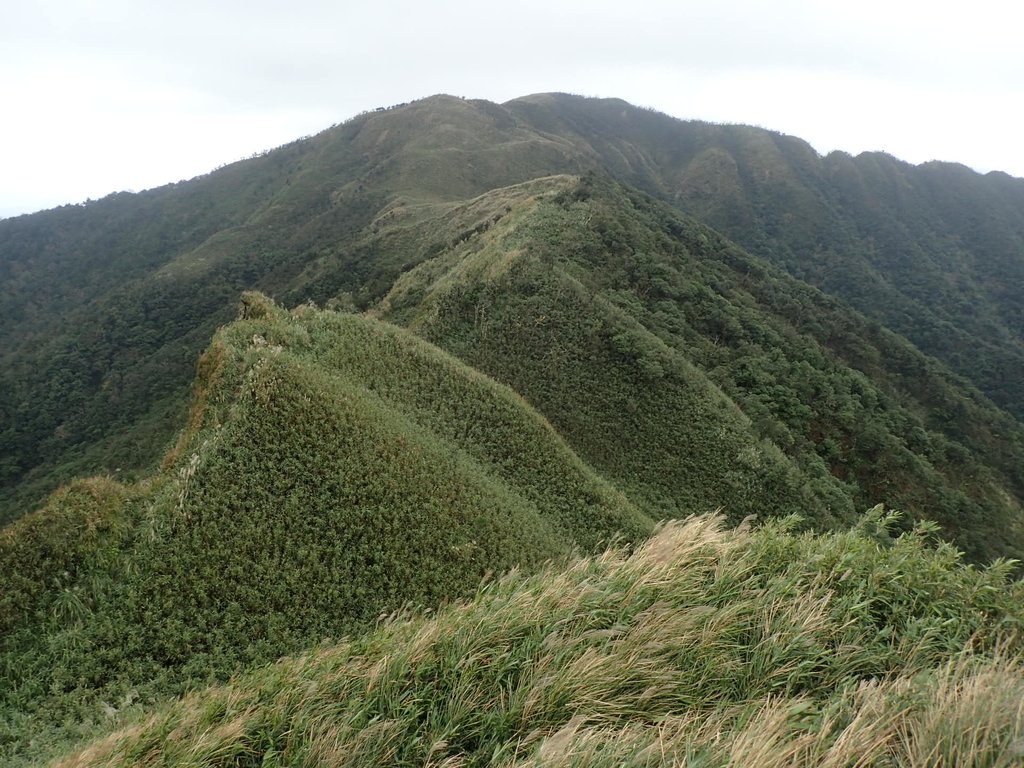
(335,491)
(334,468)
(634,409)
(933,251)
(743,648)
(632,329)
(105,306)
(47,554)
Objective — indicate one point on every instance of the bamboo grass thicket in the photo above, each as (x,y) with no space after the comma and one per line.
(703,646)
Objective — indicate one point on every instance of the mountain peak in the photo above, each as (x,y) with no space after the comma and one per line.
(520,333)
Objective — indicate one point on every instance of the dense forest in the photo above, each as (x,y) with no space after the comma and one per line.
(370,372)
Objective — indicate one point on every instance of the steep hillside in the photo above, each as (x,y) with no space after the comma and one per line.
(105,306)
(703,647)
(546,325)
(696,377)
(934,252)
(639,411)
(334,469)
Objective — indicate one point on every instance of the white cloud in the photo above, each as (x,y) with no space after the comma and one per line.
(103,95)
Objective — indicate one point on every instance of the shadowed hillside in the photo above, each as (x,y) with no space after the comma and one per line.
(519,334)
(695,377)
(934,252)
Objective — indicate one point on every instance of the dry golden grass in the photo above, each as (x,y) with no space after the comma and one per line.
(703,647)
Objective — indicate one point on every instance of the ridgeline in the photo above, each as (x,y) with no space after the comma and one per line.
(482,353)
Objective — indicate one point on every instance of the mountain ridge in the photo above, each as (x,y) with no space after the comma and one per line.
(477,338)
(779,176)
(720,331)
(340,217)
(334,468)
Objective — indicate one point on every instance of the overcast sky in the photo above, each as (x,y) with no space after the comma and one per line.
(107,95)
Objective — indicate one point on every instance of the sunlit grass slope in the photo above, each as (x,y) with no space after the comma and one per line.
(334,468)
(704,647)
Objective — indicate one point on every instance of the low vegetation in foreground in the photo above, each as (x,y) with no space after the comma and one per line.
(602,362)
(701,647)
(334,469)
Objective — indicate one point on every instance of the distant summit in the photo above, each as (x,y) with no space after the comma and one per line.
(327,390)
(108,304)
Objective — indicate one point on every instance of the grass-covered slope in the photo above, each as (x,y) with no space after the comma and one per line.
(352,473)
(334,469)
(636,409)
(105,305)
(695,376)
(49,554)
(703,647)
(934,252)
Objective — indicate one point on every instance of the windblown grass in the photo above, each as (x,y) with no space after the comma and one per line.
(702,647)
(334,469)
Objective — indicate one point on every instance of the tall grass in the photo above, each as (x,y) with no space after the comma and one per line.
(334,468)
(701,647)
